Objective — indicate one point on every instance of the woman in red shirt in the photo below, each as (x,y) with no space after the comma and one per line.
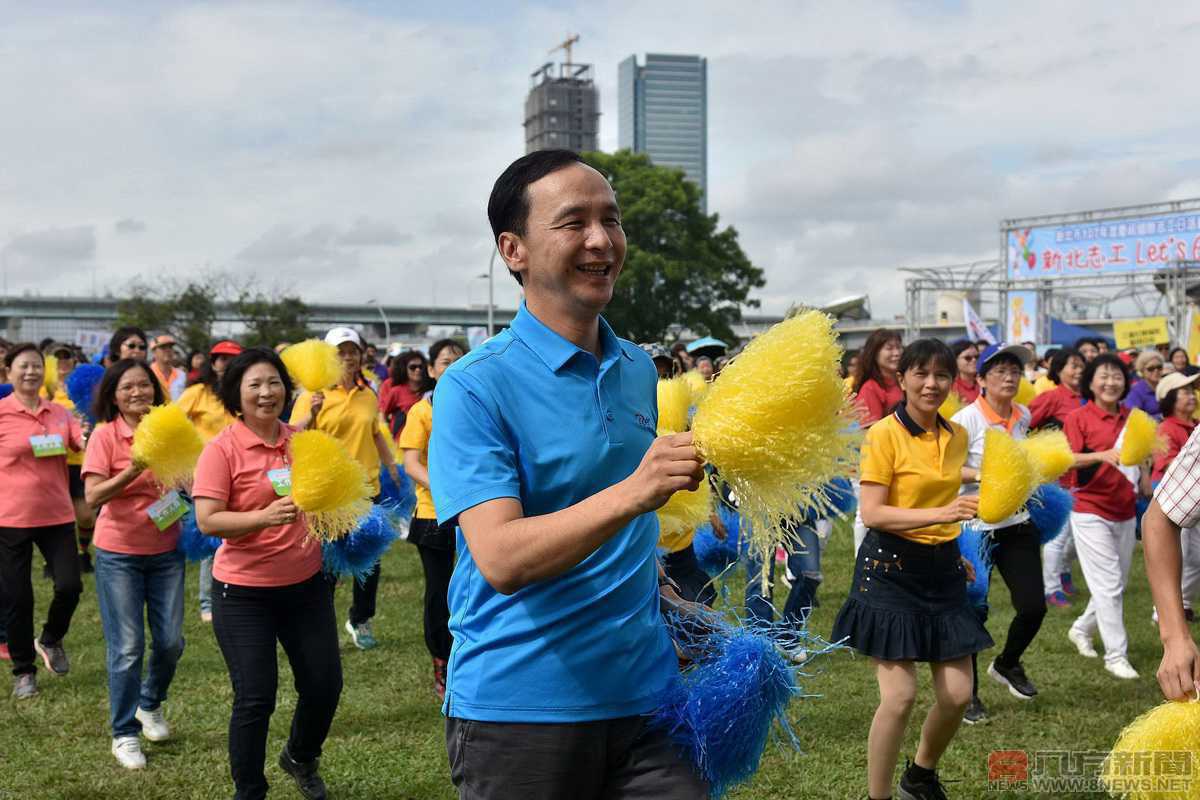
(139,574)
(1050,409)
(36,509)
(875,378)
(966,356)
(267,579)
(408,383)
(1103,519)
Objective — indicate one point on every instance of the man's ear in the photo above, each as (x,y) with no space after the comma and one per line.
(512,250)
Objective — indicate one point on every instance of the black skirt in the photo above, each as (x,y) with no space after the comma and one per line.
(427,533)
(908,602)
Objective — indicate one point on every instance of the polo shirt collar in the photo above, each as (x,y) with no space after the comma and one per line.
(911,425)
(554,349)
(123,429)
(1122,411)
(247,438)
(993,418)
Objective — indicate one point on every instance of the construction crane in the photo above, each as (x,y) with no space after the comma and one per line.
(566,46)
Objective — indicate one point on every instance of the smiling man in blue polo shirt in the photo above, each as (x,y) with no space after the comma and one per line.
(544,448)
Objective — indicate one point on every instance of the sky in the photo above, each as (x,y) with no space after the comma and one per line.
(345,151)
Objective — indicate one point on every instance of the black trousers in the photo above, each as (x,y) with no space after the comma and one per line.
(247,621)
(438,564)
(363,594)
(694,583)
(1018,558)
(57,544)
(603,760)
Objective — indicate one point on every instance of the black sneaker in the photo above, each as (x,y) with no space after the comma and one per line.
(975,712)
(1019,685)
(305,775)
(923,787)
(54,656)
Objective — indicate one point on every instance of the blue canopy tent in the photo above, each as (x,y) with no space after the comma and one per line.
(1064,334)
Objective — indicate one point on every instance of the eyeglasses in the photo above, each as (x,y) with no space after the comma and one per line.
(415,367)
(1152,368)
(969,358)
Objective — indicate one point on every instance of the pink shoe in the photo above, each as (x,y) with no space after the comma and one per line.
(1058,599)
(4,654)
(780,555)
(1067,584)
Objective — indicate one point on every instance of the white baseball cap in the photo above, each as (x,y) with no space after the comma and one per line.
(337,336)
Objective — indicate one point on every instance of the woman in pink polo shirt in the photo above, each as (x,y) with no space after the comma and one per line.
(139,574)
(267,579)
(36,509)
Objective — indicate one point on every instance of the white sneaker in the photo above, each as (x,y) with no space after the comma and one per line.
(128,750)
(1122,669)
(1083,643)
(154,724)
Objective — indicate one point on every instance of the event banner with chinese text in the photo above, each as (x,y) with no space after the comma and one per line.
(1103,246)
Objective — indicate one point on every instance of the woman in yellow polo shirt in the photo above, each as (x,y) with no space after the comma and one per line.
(349,412)
(201,402)
(434,542)
(908,600)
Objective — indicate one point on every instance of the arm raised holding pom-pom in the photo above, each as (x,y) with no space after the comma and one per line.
(513,551)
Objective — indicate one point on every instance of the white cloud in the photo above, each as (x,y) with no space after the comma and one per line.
(352,150)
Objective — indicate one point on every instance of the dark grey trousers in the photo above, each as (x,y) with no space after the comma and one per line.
(603,760)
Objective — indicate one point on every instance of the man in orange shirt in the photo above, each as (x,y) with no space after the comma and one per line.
(172,378)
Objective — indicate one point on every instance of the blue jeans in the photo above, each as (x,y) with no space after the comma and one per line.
(206,581)
(125,585)
(804,562)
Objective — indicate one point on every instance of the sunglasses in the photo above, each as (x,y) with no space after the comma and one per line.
(415,367)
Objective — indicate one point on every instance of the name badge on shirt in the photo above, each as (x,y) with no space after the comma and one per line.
(51,444)
(281,480)
(167,510)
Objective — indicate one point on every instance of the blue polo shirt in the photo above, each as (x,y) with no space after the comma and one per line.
(529,415)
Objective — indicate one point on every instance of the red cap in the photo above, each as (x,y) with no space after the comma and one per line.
(225,348)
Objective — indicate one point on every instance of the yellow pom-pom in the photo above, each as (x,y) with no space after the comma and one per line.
(697,384)
(1050,453)
(685,511)
(168,444)
(1140,439)
(313,364)
(951,405)
(778,426)
(330,487)
(674,401)
(1006,477)
(1161,746)
(50,374)
(1025,392)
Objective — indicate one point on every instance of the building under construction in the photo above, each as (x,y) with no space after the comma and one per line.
(563,106)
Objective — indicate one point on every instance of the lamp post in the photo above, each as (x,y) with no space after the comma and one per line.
(387,328)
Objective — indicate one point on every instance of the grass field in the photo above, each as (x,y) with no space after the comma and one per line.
(387,738)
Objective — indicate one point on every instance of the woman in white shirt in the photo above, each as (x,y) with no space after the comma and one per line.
(1017,552)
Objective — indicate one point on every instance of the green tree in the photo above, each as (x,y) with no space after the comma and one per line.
(680,268)
(185,311)
(271,320)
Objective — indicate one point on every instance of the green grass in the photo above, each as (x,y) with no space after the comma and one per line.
(387,738)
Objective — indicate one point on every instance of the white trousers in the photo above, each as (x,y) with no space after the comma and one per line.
(1189,541)
(1105,553)
(1057,556)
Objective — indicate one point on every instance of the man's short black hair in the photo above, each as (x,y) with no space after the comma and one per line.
(924,352)
(961,346)
(104,406)
(508,207)
(231,384)
(1089,372)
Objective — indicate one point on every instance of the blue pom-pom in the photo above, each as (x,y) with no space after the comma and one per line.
(194,545)
(715,555)
(358,552)
(721,711)
(398,499)
(81,388)
(5,389)
(1050,509)
(976,547)
(840,492)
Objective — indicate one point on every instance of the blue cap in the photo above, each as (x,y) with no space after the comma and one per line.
(1017,351)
